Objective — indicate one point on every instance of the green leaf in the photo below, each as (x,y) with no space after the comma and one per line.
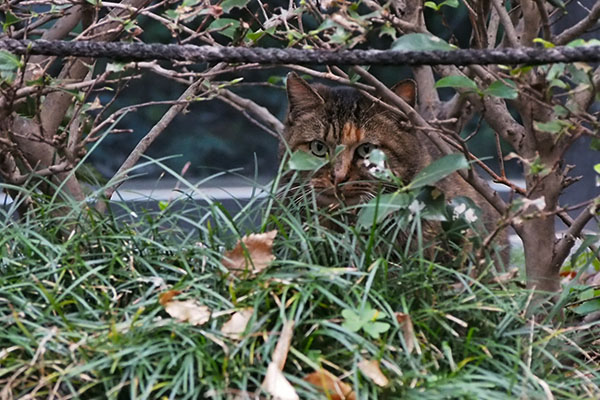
(225,26)
(439,169)
(162,205)
(545,43)
(431,5)
(229,5)
(595,144)
(505,89)
(420,42)
(555,126)
(456,81)
(352,321)
(375,328)
(9,64)
(381,207)
(597,168)
(388,30)
(588,307)
(9,19)
(303,161)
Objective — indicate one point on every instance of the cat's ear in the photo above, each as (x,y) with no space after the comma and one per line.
(407,91)
(300,94)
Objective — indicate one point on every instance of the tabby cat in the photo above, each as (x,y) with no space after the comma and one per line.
(321,118)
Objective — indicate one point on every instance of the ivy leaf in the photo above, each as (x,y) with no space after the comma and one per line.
(457,81)
(439,169)
(420,42)
(504,89)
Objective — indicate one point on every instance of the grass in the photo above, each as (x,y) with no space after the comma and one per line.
(81,317)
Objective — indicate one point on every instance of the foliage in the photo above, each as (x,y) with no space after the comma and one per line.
(88,316)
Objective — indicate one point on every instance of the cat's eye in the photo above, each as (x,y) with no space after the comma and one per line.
(318,148)
(364,149)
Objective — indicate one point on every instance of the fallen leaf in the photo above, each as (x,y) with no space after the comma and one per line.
(277,385)
(188,311)
(506,277)
(283,344)
(370,368)
(166,297)
(253,253)
(236,325)
(407,331)
(331,385)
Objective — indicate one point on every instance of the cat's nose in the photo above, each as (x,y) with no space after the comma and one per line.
(340,176)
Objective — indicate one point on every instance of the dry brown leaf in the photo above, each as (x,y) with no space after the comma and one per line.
(166,297)
(277,385)
(236,325)
(506,277)
(408,331)
(256,256)
(188,311)
(283,344)
(331,385)
(370,368)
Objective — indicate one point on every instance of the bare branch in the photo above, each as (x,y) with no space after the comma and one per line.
(273,126)
(579,28)
(564,245)
(149,138)
(509,29)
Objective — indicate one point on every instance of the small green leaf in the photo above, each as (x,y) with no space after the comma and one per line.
(545,43)
(9,65)
(162,205)
(555,126)
(595,144)
(225,26)
(431,5)
(456,81)
(588,307)
(303,161)
(388,30)
(420,42)
(597,168)
(375,328)
(229,5)
(381,207)
(439,169)
(505,89)
(9,19)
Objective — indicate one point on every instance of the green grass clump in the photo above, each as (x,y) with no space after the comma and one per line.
(81,318)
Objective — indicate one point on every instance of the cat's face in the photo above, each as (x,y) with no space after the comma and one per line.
(321,118)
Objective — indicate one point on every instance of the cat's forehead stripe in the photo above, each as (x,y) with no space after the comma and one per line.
(351,134)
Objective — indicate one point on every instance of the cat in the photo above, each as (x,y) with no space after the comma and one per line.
(321,118)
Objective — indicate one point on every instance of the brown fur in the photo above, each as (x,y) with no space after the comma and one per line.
(342,116)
